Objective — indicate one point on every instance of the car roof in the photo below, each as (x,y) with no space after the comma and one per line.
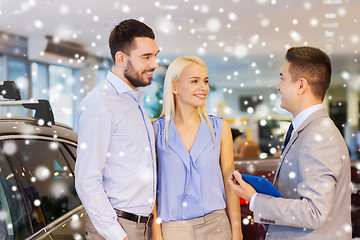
(29,127)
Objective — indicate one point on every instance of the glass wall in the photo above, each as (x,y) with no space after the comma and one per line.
(40,81)
(61,81)
(153,98)
(62,86)
(18,72)
(100,74)
(2,72)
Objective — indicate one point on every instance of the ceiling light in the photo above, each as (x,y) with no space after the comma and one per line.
(212,37)
(330,25)
(169,7)
(332,1)
(329,34)
(330,15)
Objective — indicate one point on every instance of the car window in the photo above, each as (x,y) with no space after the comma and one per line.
(72,150)
(14,222)
(49,180)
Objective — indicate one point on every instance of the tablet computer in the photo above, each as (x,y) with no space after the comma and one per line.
(261,185)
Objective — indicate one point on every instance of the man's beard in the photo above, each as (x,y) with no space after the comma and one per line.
(134,77)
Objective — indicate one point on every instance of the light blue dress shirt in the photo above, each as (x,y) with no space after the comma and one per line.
(190,184)
(115,166)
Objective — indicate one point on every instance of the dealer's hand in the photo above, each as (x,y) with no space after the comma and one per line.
(240,187)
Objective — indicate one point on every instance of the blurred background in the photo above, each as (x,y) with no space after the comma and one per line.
(58,50)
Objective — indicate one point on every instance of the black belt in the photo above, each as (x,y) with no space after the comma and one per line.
(133,217)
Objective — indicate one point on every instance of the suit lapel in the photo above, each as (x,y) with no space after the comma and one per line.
(318,114)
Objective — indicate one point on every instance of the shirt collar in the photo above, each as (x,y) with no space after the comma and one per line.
(121,87)
(302,116)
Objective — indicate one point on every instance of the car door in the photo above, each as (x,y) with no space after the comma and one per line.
(48,184)
(14,220)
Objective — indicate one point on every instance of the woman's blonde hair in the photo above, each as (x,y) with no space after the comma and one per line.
(172,74)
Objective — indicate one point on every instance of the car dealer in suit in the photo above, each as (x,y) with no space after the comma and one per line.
(313,174)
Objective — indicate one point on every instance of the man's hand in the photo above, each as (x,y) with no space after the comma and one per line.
(240,187)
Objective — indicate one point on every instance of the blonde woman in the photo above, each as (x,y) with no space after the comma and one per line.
(195,156)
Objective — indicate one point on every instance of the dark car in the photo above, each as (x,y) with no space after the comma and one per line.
(266,168)
(37,159)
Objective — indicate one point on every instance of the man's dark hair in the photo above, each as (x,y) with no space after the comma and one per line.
(314,65)
(122,36)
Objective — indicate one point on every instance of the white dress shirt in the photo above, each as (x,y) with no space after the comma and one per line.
(297,121)
(115,166)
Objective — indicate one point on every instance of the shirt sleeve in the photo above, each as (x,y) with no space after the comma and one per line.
(252,200)
(94,136)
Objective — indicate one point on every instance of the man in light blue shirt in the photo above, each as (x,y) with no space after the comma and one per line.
(115,173)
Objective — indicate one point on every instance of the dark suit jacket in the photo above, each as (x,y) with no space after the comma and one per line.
(313,176)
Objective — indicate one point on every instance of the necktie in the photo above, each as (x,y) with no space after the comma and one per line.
(288,135)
